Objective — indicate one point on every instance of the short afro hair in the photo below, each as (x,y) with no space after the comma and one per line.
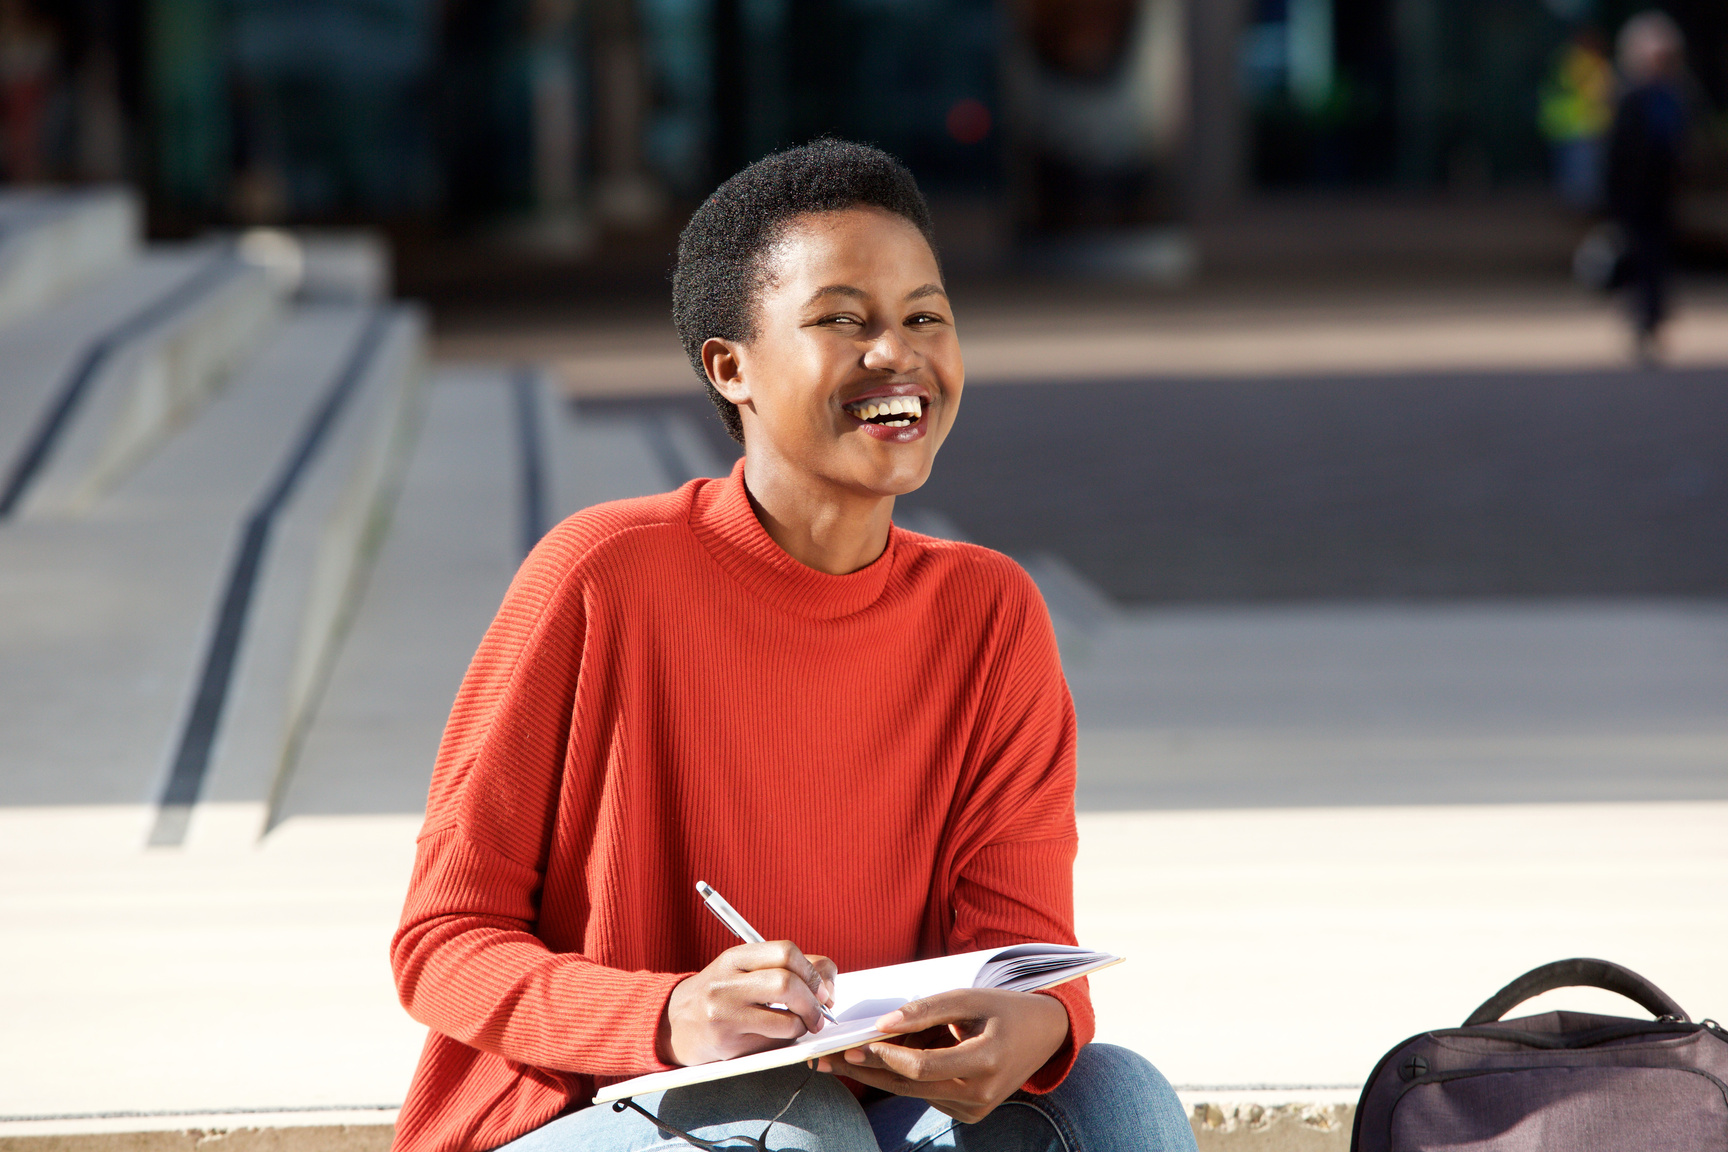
(721,252)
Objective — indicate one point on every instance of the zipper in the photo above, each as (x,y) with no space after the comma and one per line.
(1467,1073)
(1559,1041)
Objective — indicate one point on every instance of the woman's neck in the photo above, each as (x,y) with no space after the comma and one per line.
(817,524)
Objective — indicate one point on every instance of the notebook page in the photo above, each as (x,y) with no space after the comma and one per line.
(1032,965)
(872,992)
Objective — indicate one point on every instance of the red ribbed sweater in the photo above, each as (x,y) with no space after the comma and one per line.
(878,766)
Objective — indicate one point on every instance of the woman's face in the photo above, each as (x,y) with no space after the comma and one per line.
(854,375)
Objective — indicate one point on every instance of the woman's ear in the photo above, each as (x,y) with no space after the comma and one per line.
(725,369)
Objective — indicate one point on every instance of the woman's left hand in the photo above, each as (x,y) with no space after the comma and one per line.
(964,1051)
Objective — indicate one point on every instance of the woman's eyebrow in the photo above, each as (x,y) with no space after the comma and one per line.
(837,290)
(848,290)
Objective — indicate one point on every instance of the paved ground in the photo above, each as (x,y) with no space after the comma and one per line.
(104,616)
(1292,947)
(1267,947)
(160,981)
(1417,486)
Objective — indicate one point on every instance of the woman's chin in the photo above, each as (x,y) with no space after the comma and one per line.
(896,477)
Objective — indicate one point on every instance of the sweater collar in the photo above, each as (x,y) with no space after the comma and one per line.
(722,519)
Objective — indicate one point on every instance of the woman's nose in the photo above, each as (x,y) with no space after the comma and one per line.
(888,352)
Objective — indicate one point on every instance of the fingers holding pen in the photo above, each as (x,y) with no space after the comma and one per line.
(750,997)
(785,981)
(822,987)
(816,973)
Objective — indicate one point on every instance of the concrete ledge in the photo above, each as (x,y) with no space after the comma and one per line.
(344,266)
(153,388)
(307,1138)
(1269,1118)
(51,243)
(320,1129)
(317,563)
(356,515)
(107,618)
(1251,1127)
(1240,1127)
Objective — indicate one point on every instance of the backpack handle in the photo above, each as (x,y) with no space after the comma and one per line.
(1578,973)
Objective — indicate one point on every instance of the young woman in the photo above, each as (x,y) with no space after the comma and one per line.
(858,734)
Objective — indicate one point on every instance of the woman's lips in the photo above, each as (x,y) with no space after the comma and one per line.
(894,435)
(893,418)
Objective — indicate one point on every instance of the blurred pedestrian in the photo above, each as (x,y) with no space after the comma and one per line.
(28,52)
(1644,151)
(1077,92)
(1577,109)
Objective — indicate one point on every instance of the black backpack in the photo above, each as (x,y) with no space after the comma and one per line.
(1555,1082)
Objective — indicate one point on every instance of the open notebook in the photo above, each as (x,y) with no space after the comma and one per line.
(861,998)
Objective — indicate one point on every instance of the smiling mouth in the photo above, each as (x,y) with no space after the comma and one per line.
(888,411)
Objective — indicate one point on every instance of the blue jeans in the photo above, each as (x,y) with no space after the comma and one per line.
(1112,1101)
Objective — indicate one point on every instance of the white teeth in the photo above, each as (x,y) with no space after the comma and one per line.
(910,406)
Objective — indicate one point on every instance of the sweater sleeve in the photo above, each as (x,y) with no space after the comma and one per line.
(466,957)
(468,965)
(1017,884)
(1021,892)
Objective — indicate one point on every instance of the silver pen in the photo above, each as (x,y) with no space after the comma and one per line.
(740,927)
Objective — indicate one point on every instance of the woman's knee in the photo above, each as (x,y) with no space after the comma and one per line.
(1113,1088)
(1110,1063)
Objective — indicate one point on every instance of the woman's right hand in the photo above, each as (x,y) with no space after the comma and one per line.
(723,1010)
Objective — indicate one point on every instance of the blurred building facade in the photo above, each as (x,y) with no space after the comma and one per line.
(1429,92)
(565,119)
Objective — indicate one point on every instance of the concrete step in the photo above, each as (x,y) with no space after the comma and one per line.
(44,357)
(109,614)
(313,536)
(145,379)
(52,243)
(453,545)
(1276,705)
(92,386)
